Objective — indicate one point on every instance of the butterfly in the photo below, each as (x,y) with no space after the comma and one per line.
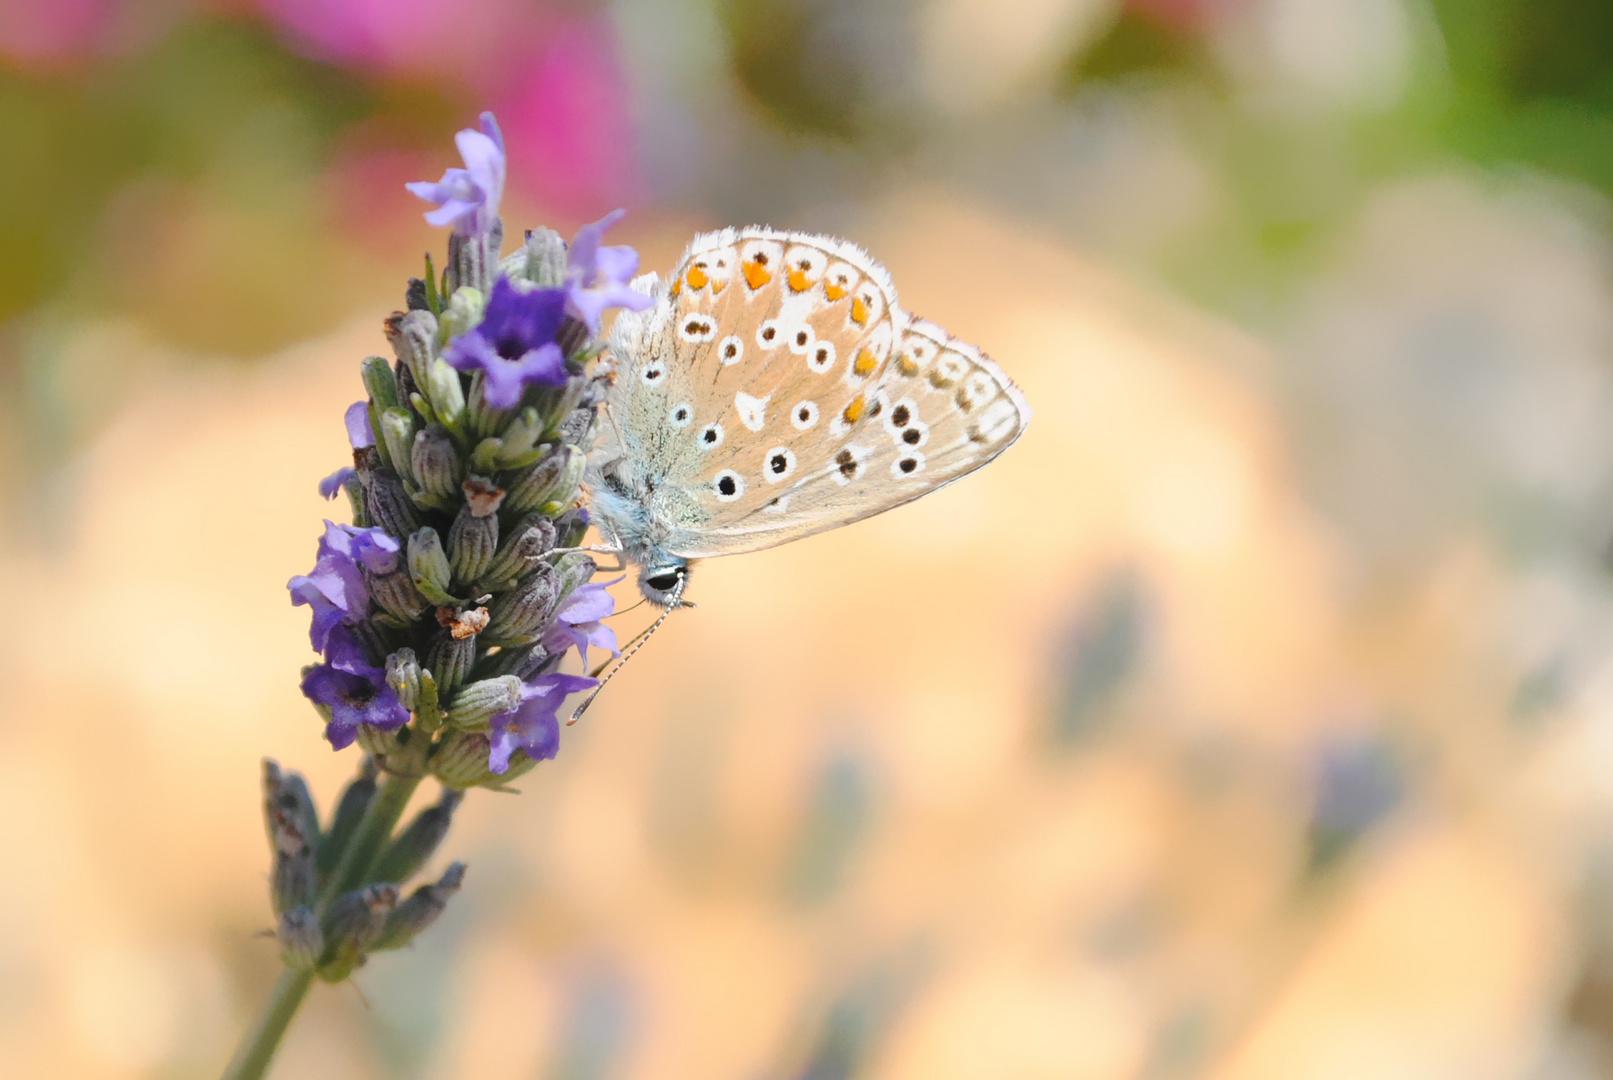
(775,390)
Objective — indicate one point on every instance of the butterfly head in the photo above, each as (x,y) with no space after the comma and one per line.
(662,582)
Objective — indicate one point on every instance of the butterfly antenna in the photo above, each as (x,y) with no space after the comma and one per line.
(634,646)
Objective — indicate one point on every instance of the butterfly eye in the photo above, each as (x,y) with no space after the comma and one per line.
(665,580)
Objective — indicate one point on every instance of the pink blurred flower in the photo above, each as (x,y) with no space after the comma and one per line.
(44,31)
(1184,15)
(566,122)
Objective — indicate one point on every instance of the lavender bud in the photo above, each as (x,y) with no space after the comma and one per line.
(473,258)
(551,481)
(379,382)
(435,461)
(520,613)
(478,702)
(404,857)
(579,426)
(461,762)
(444,392)
(301,941)
(413,336)
(397,435)
(396,595)
(482,418)
(380,743)
(403,383)
(415,297)
(520,438)
(424,907)
(522,661)
(449,660)
(574,568)
(354,923)
(530,539)
(388,504)
(403,676)
(429,567)
(545,259)
(291,880)
(350,810)
(463,312)
(472,543)
(562,404)
(369,637)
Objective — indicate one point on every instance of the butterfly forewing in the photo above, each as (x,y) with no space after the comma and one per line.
(777,390)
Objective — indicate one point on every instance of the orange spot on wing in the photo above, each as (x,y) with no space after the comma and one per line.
(756,275)
(833,291)
(798,281)
(854,410)
(907,365)
(697,278)
(859,311)
(865,362)
(718,285)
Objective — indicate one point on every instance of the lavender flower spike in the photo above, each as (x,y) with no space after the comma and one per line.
(514,343)
(468,198)
(533,726)
(599,276)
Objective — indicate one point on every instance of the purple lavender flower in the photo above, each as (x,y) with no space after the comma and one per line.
(354,691)
(335,589)
(577,622)
(468,198)
(599,276)
(533,725)
(514,343)
(359,436)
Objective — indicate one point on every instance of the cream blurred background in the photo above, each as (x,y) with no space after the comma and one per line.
(1251,719)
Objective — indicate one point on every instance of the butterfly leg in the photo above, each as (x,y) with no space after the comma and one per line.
(597,550)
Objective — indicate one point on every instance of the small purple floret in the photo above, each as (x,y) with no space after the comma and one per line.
(354,691)
(577,622)
(335,588)
(467,199)
(513,345)
(357,419)
(599,276)
(533,726)
(334,483)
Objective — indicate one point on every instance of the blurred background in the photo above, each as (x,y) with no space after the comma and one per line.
(1251,718)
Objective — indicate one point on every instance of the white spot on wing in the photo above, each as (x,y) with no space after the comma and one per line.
(752,410)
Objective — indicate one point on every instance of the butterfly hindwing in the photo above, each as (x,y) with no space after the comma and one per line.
(777,390)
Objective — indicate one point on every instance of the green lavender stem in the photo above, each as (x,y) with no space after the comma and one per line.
(373,833)
(252,1058)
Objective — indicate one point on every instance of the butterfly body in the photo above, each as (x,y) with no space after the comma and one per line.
(775,390)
